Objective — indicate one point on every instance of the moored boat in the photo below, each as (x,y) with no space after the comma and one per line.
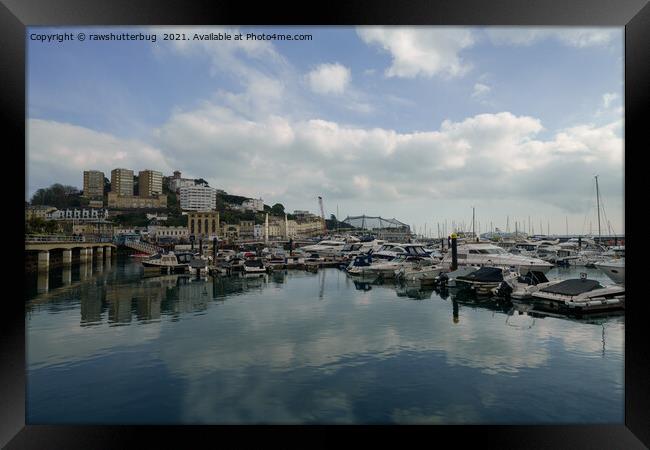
(484,280)
(614,269)
(582,295)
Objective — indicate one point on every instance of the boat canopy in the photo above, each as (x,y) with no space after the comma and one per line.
(573,287)
(253,263)
(484,275)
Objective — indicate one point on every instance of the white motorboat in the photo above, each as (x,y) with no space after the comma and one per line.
(487,254)
(387,269)
(390,250)
(169,261)
(582,295)
(522,287)
(614,269)
(360,265)
(326,247)
(424,273)
(254,266)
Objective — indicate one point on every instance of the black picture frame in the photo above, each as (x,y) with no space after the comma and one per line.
(634,15)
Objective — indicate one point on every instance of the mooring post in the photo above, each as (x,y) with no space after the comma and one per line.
(43,261)
(454,252)
(67,257)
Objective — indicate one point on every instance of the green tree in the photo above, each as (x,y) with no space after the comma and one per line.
(277,209)
(58,195)
(176,221)
(37,225)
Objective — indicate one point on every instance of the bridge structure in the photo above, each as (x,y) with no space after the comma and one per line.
(86,248)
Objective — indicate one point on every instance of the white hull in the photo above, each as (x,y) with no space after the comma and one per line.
(422,274)
(614,270)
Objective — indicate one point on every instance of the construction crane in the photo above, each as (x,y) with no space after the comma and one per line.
(322,213)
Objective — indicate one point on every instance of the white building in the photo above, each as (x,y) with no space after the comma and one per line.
(198,198)
(78,214)
(254,204)
(177,233)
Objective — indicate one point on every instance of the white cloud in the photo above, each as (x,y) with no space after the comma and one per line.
(292,161)
(343,161)
(574,37)
(481,90)
(60,152)
(608,98)
(329,79)
(421,51)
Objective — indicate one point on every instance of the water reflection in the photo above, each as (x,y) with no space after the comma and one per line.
(295,347)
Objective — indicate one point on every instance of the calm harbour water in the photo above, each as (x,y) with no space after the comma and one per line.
(110,345)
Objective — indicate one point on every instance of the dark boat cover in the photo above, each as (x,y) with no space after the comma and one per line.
(362,261)
(572,287)
(484,275)
(253,263)
(533,278)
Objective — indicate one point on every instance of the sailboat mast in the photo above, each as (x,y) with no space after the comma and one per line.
(598,206)
(473,231)
(566,218)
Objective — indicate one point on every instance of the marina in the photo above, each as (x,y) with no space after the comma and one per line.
(379,225)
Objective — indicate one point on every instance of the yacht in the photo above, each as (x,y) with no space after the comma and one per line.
(360,265)
(389,251)
(168,261)
(487,254)
(614,269)
(326,247)
(388,269)
(424,272)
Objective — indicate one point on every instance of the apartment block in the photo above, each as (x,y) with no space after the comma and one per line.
(122,182)
(198,198)
(150,183)
(93,184)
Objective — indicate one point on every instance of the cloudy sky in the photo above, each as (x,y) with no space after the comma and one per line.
(419,123)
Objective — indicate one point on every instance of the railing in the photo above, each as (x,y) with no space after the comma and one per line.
(29,238)
(52,238)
